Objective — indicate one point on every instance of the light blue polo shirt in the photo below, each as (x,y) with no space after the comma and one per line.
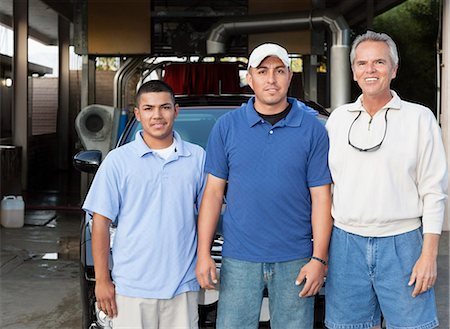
(269,171)
(151,200)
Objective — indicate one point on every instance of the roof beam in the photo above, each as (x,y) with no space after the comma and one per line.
(63,8)
(32,32)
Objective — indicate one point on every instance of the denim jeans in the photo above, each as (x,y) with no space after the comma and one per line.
(368,276)
(241,292)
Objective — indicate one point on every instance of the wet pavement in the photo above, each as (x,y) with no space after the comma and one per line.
(40,273)
(39,285)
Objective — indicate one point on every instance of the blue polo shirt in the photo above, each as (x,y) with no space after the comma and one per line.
(151,200)
(269,171)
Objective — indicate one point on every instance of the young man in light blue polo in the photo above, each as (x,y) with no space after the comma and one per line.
(148,189)
(273,155)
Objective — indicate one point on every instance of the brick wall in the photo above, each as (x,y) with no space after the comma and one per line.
(43,98)
(104,87)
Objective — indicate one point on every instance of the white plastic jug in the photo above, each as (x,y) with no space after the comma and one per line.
(12,211)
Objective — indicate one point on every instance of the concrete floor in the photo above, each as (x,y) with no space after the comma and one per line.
(39,285)
(40,273)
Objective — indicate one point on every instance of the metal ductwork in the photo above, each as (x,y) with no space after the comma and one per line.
(121,78)
(339,51)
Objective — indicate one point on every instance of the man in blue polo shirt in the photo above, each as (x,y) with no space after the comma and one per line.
(273,155)
(148,188)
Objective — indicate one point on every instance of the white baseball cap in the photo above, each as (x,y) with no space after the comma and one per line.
(268,49)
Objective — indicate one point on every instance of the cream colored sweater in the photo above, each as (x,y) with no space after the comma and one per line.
(398,187)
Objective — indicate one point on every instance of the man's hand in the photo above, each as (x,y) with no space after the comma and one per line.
(314,273)
(208,217)
(206,272)
(424,274)
(105,293)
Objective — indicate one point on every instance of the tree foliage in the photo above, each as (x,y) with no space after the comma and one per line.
(107,63)
(414,27)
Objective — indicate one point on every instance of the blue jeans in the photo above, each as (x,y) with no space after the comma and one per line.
(241,292)
(368,276)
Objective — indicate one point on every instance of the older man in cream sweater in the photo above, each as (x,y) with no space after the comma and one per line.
(389,170)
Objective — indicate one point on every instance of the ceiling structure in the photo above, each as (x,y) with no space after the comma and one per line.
(179,26)
(33,69)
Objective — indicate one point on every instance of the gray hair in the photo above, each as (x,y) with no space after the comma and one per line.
(374,36)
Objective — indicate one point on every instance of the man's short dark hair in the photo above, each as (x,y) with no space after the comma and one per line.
(154,86)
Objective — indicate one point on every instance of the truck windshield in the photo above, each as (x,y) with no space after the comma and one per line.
(193,124)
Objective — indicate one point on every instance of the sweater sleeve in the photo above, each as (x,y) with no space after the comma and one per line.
(432,174)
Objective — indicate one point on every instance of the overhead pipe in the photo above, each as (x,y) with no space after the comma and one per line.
(339,51)
(121,78)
